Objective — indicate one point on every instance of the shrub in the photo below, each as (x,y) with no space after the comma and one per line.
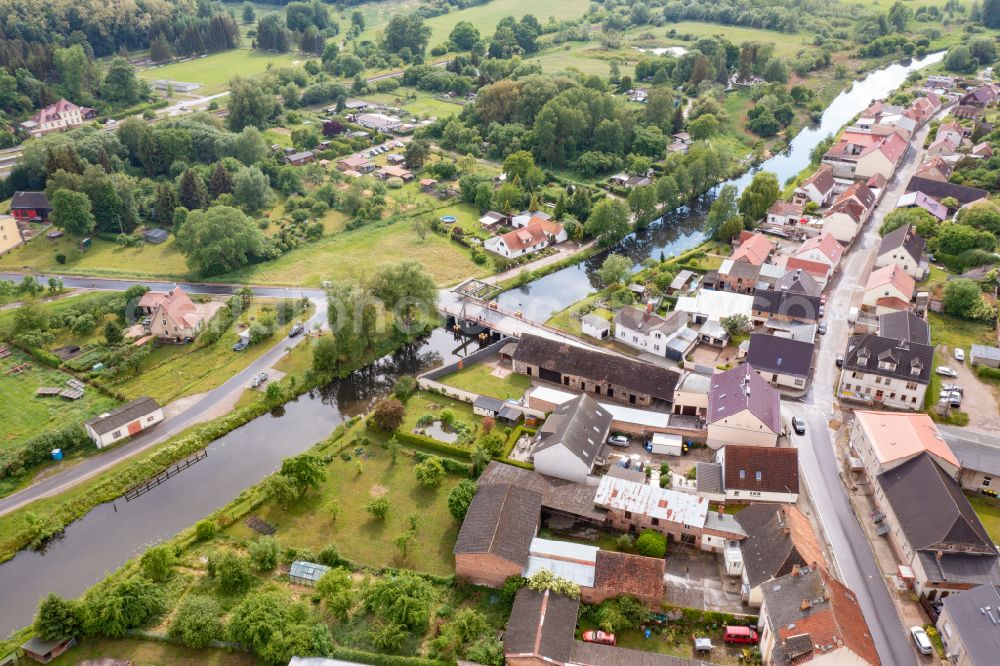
(197,622)
(156,563)
(389,414)
(986,372)
(460,498)
(405,387)
(230,571)
(379,507)
(204,530)
(264,554)
(651,544)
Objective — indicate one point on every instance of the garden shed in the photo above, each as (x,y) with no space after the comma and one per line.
(306,573)
(155,236)
(984,355)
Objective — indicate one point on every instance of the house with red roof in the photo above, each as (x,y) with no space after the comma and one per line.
(935,168)
(850,211)
(536,235)
(818,271)
(943,147)
(983,150)
(753,248)
(818,188)
(822,249)
(889,289)
(862,154)
(173,316)
(62,115)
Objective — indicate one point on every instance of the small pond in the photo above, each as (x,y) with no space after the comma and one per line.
(437,430)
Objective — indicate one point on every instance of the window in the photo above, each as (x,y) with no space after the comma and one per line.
(656,521)
(628,514)
(116,434)
(743,474)
(986,481)
(149,419)
(911,386)
(799,382)
(757,476)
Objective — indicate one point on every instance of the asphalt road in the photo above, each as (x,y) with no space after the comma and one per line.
(91,467)
(853,558)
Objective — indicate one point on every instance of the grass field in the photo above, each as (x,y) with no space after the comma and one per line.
(353,483)
(422,403)
(152,653)
(955,332)
(988,511)
(103,258)
(23,415)
(478,378)
(214,71)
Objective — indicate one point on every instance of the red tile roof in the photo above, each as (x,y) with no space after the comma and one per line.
(812,267)
(778,469)
(629,574)
(755,249)
(825,243)
(892,274)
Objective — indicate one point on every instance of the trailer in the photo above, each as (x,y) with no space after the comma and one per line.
(665,444)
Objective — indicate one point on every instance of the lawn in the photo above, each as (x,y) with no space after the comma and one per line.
(988,511)
(24,416)
(152,653)
(357,253)
(422,403)
(351,484)
(955,332)
(418,103)
(104,258)
(214,71)
(479,378)
(785,45)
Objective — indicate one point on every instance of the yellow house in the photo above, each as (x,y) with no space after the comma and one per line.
(10,235)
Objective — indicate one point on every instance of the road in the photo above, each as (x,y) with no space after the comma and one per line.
(853,558)
(189,104)
(189,415)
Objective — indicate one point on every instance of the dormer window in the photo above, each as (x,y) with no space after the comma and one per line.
(888,364)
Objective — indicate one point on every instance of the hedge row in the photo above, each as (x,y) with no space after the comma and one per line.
(432,444)
(450,465)
(15,461)
(986,372)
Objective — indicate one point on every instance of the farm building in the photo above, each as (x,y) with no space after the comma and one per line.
(126,421)
(306,573)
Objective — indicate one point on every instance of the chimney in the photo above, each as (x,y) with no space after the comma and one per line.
(806,605)
(722,510)
(786,530)
(649,307)
(796,570)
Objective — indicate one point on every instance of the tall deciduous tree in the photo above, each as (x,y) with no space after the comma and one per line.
(759,196)
(609,222)
(219,240)
(57,618)
(406,289)
(71,212)
(249,104)
(251,189)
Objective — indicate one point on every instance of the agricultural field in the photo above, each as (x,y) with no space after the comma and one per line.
(214,71)
(23,415)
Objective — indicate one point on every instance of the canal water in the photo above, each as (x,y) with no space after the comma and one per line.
(112,533)
(681,229)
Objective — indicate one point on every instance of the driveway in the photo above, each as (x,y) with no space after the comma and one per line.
(694,579)
(979,400)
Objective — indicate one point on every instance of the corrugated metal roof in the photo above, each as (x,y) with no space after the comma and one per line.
(574,562)
(651,501)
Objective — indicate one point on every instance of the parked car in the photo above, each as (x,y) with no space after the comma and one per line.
(262,377)
(822,311)
(959,355)
(920,637)
(945,371)
(398,144)
(954,388)
(598,637)
(298,328)
(625,463)
(618,440)
(840,360)
(640,466)
(822,328)
(241,345)
(737,634)
(798,425)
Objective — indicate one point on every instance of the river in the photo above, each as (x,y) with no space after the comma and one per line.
(112,533)
(681,229)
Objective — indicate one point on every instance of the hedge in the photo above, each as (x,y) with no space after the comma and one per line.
(376,659)
(450,465)
(986,372)
(518,463)
(38,449)
(514,436)
(434,445)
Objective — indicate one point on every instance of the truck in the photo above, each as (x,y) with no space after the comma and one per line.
(665,445)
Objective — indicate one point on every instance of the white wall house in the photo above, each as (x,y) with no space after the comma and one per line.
(126,421)
(646,331)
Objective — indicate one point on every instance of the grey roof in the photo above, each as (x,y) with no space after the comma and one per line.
(960,567)
(681,279)
(979,633)
(637,319)
(41,646)
(768,551)
(742,388)
(321,661)
(866,352)
(120,416)
(596,321)
(307,570)
(300,156)
(695,382)
(502,520)
(977,451)
(558,495)
(787,303)
(941,189)
(780,355)
(607,655)
(724,522)
(784,597)
(798,282)
(905,238)
(739,269)
(485,402)
(904,325)
(931,509)
(982,351)
(155,235)
(581,425)
(630,474)
(30,200)
(709,478)
(542,624)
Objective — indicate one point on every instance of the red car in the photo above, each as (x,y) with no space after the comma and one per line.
(736,634)
(598,637)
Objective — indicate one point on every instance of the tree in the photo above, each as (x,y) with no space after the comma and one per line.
(703,127)
(121,86)
(264,553)
(230,571)
(220,182)
(903,216)
(352,312)
(460,498)
(959,59)
(962,298)
(259,619)
(899,16)
(324,355)
(609,222)
(76,71)
(651,544)
(465,36)
(166,203)
(403,598)
(157,562)
(57,618)
(127,604)
(305,469)
(430,473)
(388,414)
(191,190)
(723,208)
(406,32)
(616,269)
(642,202)
(71,212)
(249,104)
(250,147)
(251,189)
(249,13)
(406,288)
(197,621)
(219,240)
(520,167)
(403,541)
(775,71)
(113,333)
(759,196)
(378,507)
(335,590)
(736,324)
(204,530)
(280,488)
(417,152)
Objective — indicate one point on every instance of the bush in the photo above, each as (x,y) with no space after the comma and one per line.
(379,507)
(651,544)
(204,530)
(156,563)
(389,414)
(405,387)
(460,498)
(264,554)
(986,372)
(230,571)
(197,622)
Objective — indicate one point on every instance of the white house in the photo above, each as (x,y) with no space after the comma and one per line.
(889,288)
(62,115)
(572,440)
(643,330)
(126,421)
(526,240)
(759,474)
(903,247)
(817,189)
(822,249)
(743,409)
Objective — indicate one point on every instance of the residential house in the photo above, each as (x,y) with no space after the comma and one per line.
(935,168)
(809,617)
(63,115)
(30,206)
(540,629)
(860,154)
(981,95)
(784,213)
(934,530)
(968,626)
(885,371)
(784,306)
(743,409)
(709,307)
(904,325)
(781,362)
(983,150)
(379,122)
(427,184)
(798,282)
(595,326)
(779,538)
(885,440)
(843,219)
(124,421)
(691,394)
(596,372)
(941,190)
(952,132)
(524,218)
(818,188)
(358,163)
(978,455)
(942,148)
(889,288)
(572,441)
(759,474)
(10,234)
(298,159)
(646,331)
(904,248)
(818,271)
(566,499)
(496,534)
(526,240)
(173,316)
(385,173)
(984,355)
(824,249)
(738,276)
(753,248)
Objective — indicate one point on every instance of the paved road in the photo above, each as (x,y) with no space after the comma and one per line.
(190,415)
(853,557)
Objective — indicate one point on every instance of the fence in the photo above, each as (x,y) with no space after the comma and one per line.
(471,359)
